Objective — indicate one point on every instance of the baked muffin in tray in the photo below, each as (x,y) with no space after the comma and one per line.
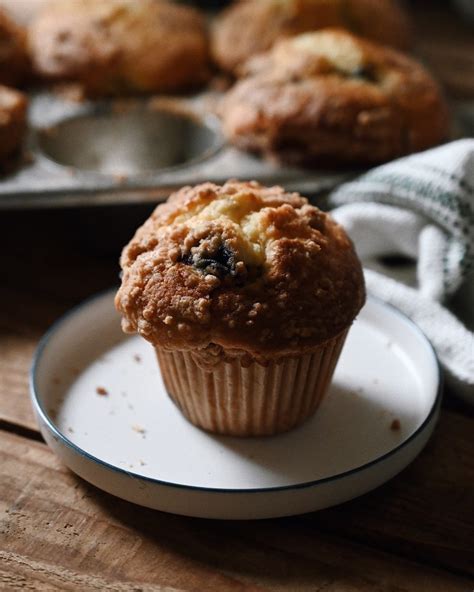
(331,97)
(121,46)
(13,107)
(14,62)
(250,27)
(247,293)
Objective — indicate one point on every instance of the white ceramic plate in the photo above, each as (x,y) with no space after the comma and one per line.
(102,408)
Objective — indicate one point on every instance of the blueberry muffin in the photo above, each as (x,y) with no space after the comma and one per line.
(13,105)
(121,46)
(246,293)
(14,63)
(331,97)
(247,28)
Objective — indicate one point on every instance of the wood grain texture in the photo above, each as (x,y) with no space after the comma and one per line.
(427,512)
(58,533)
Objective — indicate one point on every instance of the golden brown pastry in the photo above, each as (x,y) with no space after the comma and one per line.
(13,105)
(249,27)
(14,63)
(246,292)
(23,12)
(332,97)
(121,46)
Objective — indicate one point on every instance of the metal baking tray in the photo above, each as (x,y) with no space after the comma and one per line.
(92,153)
(134,151)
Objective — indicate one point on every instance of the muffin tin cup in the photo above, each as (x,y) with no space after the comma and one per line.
(254,400)
(135,151)
(131,141)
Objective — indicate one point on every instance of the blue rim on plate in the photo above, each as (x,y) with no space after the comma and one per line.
(307,484)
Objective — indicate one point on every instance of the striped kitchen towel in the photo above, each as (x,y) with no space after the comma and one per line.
(420,207)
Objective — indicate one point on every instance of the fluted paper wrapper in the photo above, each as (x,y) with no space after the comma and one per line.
(253,400)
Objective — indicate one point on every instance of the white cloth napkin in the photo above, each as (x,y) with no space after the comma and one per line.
(420,207)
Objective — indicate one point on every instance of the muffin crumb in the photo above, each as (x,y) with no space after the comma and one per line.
(395,426)
(139,429)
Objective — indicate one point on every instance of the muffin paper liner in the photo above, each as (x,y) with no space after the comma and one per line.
(253,400)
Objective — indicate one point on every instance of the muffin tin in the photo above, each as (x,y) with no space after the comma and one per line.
(127,151)
(134,151)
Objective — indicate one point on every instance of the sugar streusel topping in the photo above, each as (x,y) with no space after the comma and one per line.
(239,268)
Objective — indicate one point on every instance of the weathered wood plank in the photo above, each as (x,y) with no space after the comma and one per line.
(15,359)
(20,573)
(57,532)
(427,512)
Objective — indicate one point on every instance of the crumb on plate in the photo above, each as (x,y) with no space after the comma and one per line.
(395,425)
(138,429)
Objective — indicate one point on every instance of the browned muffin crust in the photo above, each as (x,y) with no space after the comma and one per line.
(121,46)
(247,27)
(239,267)
(14,63)
(331,96)
(13,105)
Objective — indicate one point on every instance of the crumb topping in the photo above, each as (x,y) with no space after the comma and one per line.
(330,95)
(241,267)
(333,52)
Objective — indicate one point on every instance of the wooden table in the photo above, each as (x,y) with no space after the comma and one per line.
(416,533)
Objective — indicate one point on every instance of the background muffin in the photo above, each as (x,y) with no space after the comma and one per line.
(13,106)
(248,28)
(23,11)
(121,46)
(331,96)
(14,64)
(247,293)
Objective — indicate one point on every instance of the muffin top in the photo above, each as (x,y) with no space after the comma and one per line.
(335,51)
(120,46)
(247,28)
(332,94)
(14,64)
(13,107)
(241,267)
(11,101)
